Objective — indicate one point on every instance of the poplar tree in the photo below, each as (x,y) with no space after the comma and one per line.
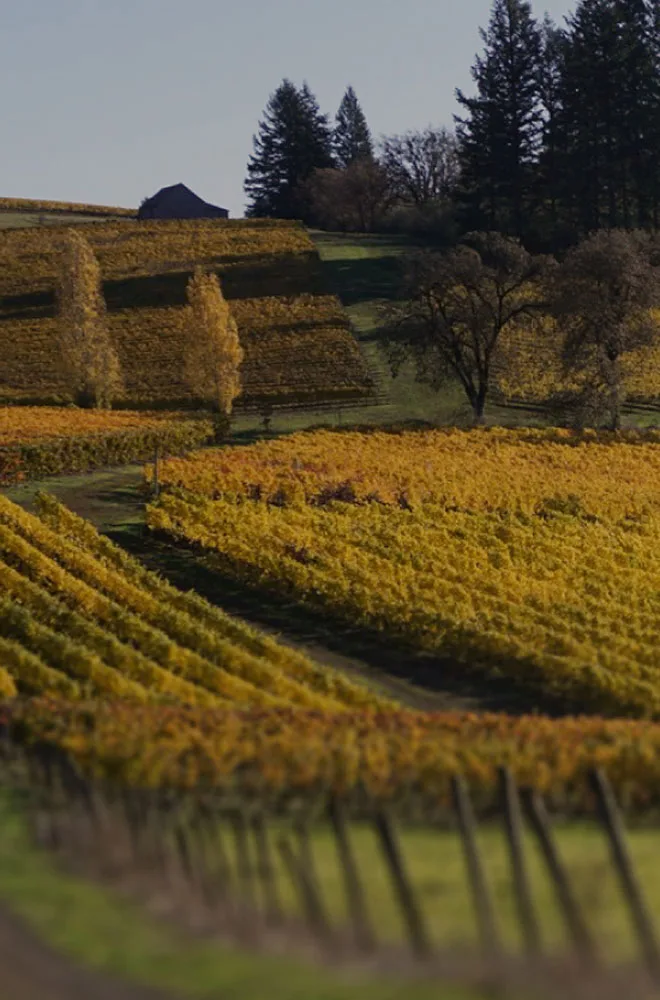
(293,140)
(499,139)
(351,137)
(89,361)
(214,353)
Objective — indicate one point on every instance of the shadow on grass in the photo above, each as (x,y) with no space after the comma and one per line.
(363,278)
(416,679)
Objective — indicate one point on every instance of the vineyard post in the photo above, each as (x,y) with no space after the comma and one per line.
(402,884)
(482,901)
(183,848)
(611,820)
(156,485)
(306,888)
(266,870)
(539,820)
(240,828)
(225,880)
(201,853)
(514,831)
(364,934)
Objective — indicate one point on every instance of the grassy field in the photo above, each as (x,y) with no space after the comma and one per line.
(436,866)
(110,933)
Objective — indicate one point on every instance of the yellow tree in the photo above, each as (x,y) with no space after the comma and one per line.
(89,361)
(214,353)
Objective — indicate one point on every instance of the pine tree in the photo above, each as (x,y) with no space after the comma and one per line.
(651,153)
(351,138)
(89,361)
(499,140)
(214,352)
(294,139)
(609,93)
(550,171)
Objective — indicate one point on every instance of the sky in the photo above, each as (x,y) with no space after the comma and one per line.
(107,101)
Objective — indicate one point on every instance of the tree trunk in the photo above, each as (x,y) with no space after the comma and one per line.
(615,395)
(478,406)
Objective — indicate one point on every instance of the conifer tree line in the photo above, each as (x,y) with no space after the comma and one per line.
(560,137)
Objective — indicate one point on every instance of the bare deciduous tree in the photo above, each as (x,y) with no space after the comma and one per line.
(422,165)
(351,199)
(88,358)
(602,296)
(456,306)
(214,352)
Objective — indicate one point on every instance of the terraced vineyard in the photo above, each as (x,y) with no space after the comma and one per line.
(297,338)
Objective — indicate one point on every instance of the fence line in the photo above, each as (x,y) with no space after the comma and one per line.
(224,858)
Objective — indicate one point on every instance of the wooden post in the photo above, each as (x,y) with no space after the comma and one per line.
(612,822)
(357,906)
(479,888)
(243,860)
(514,830)
(402,885)
(538,817)
(156,484)
(266,870)
(307,889)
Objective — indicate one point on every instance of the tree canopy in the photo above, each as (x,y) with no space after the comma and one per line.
(293,140)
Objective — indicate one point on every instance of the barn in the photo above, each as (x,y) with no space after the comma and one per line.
(179,202)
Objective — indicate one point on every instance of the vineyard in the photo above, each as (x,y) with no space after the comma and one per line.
(297,338)
(146,733)
(48,441)
(537,561)
(401,759)
(34,206)
(81,620)
(528,366)
(158,740)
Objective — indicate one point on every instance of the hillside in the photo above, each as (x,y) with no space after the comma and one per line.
(297,338)
(24,213)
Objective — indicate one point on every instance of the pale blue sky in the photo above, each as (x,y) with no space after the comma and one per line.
(108,100)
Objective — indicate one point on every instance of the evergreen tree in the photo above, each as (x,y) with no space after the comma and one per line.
(294,139)
(499,140)
(351,137)
(550,171)
(650,158)
(609,89)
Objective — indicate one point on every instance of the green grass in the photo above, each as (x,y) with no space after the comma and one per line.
(97,928)
(107,932)
(364,270)
(435,862)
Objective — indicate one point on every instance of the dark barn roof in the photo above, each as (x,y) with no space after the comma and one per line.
(179,202)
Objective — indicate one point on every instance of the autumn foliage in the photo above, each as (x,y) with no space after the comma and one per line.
(89,360)
(214,353)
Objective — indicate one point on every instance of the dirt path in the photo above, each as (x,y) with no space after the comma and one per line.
(113,502)
(30,970)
